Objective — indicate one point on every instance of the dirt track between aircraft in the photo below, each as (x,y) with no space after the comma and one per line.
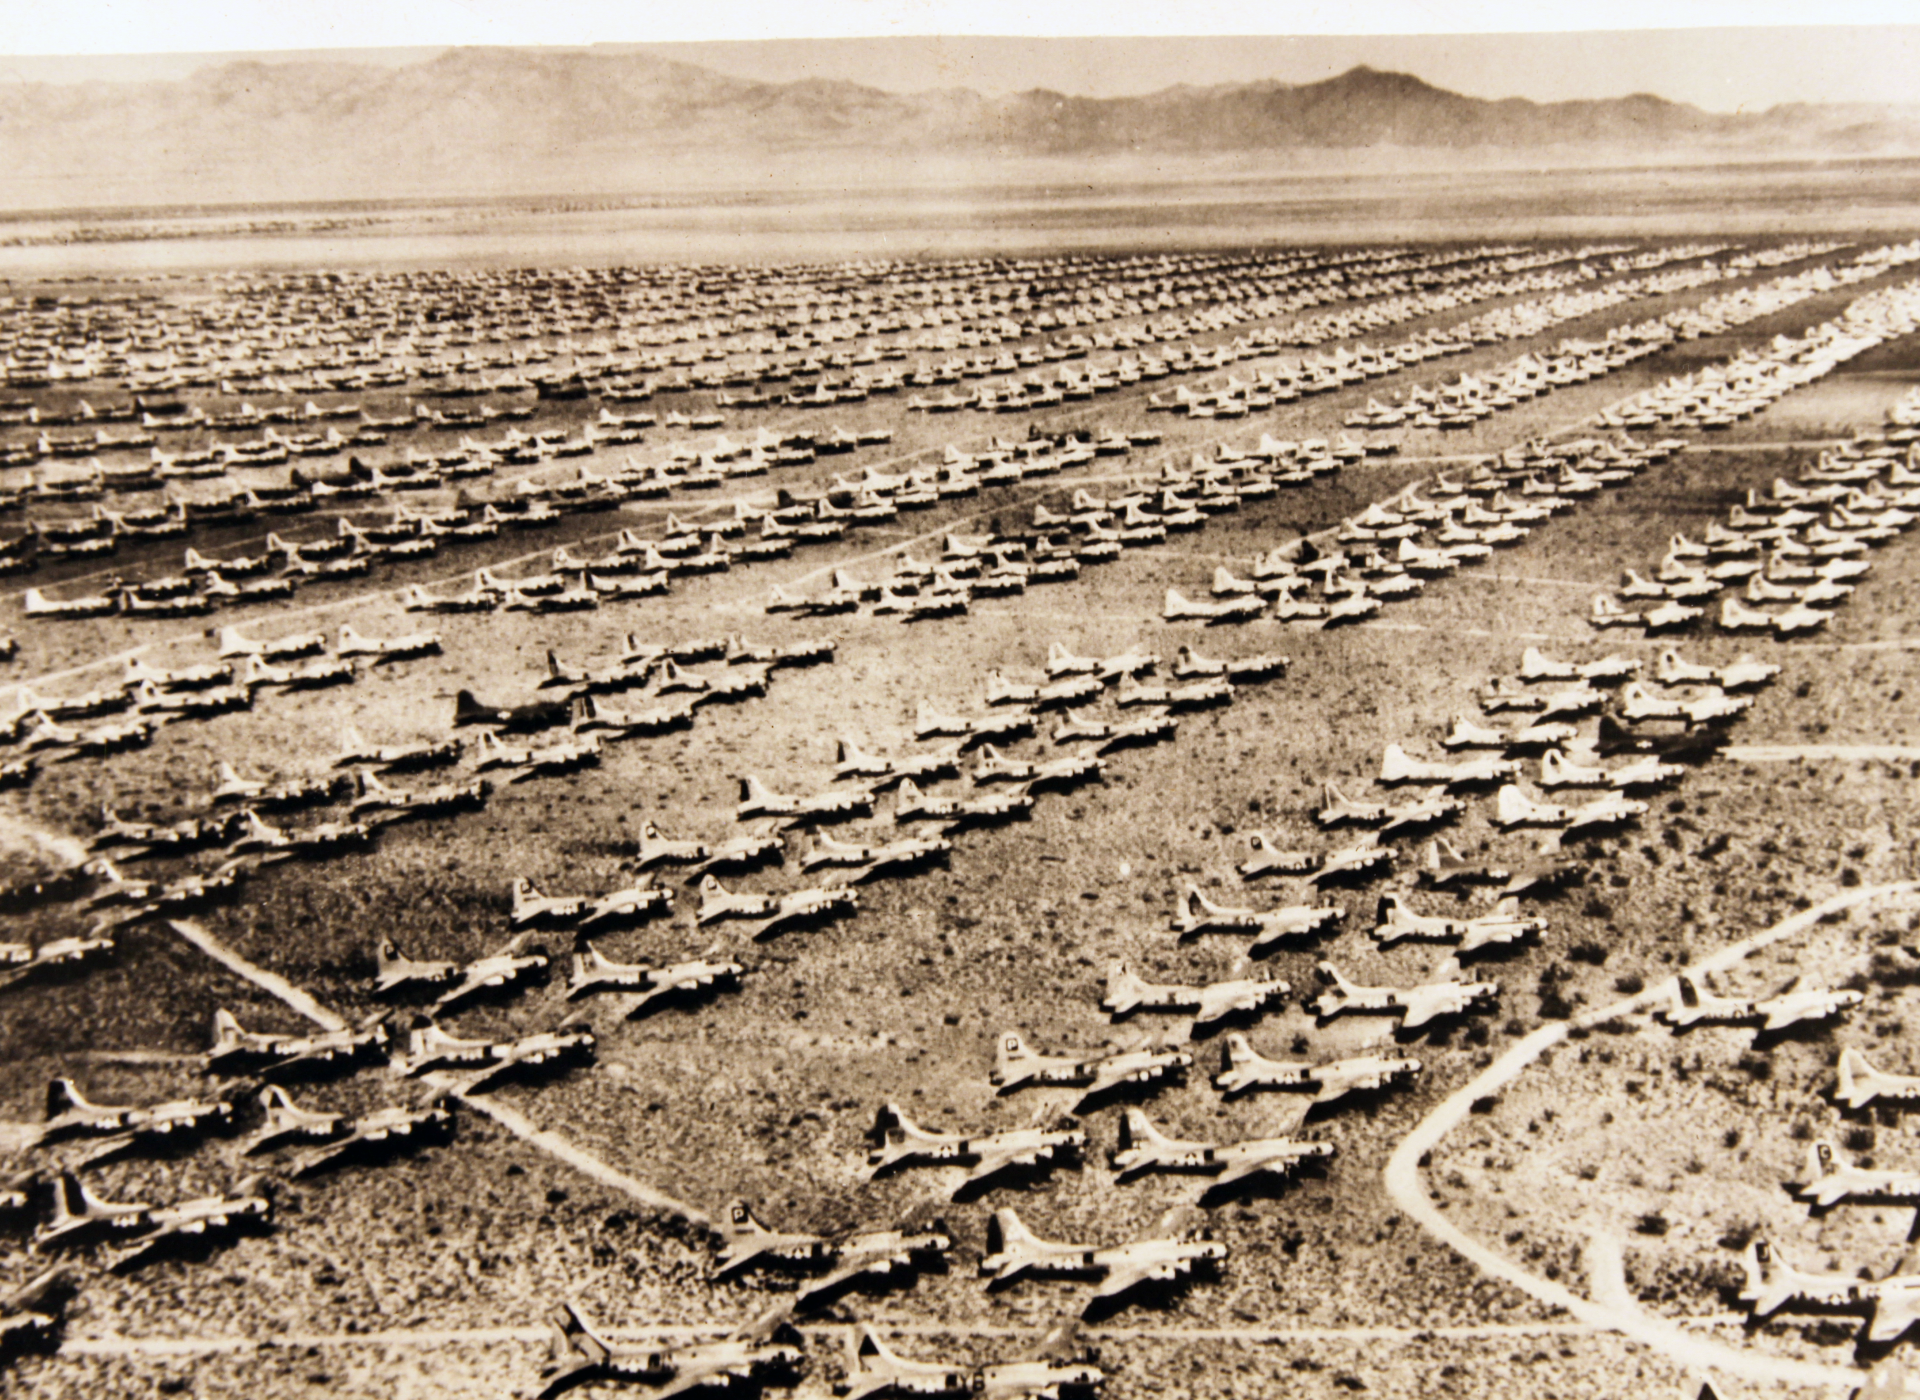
(1610,1305)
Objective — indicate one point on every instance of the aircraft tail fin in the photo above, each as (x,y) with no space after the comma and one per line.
(386,956)
(738,1222)
(1124,987)
(62,1096)
(1766,1289)
(226,1030)
(1011,1059)
(573,1339)
(1687,992)
(1854,1071)
(1137,1130)
(1006,1231)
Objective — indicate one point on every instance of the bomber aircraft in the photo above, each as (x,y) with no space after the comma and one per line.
(1859,1083)
(1144,1148)
(901,1142)
(1689,1006)
(1127,992)
(593,971)
(1830,1179)
(1395,921)
(1016,1066)
(1418,1005)
(1242,1068)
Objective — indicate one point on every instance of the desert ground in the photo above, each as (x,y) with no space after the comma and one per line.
(1627,1164)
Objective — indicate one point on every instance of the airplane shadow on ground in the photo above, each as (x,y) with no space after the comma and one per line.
(1156,1295)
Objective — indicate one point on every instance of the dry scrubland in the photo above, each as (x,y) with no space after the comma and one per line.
(766,1093)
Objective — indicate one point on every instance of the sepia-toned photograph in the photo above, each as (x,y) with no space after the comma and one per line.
(1000,703)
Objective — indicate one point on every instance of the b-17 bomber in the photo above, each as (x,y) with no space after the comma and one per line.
(1416,1006)
(1689,1006)
(1016,1066)
(482,1062)
(1395,921)
(1830,1178)
(758,800)
(1243,1069)
(913,805)
(593,971)
(268,1054)
(763,1352)
(1127,992)
(900,1142)
(767,913)
(1014,1251)
(1144,1148)
(1860,1084)
(1197,914)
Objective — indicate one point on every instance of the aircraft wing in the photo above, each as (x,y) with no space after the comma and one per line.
(992,1162)
(1422,1009)
(1252,1166)
(1119,1280)
(1893,1313)
(703,1375)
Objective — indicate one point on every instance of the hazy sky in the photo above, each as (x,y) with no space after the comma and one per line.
(1720,54)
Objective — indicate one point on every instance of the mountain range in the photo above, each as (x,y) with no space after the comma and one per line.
(524,121)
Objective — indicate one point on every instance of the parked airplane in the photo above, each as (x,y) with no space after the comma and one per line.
(1269,859)
(32,1315)
(1418,1005)
(770,911)
(286,1123)
(1772,1284)
(1338,810)
(586,913)
(757,800)
(377,649)
(1860,1083)
(1061,1367)
(1394,921)
(911,805)
(901,1142)
(70,1115)
(1065,772)
(1016,1066)
(1014,1250)
(398,804)
(1198,914)
(79,1218)
(1689,1006)
(1127,992)
(1242,1069)
(383,1132)
(397,757)
(526,761)
(1144,1148)
(507,968)
(1743,674)
(870,861)
(198,1219)
(740,853)
(430,1048)
(593,971)
(532,716)
(1397,768)
(577,1355)
(236,1050)
(873,1369)
(854,762)
(1830,1179)
(1110,735)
